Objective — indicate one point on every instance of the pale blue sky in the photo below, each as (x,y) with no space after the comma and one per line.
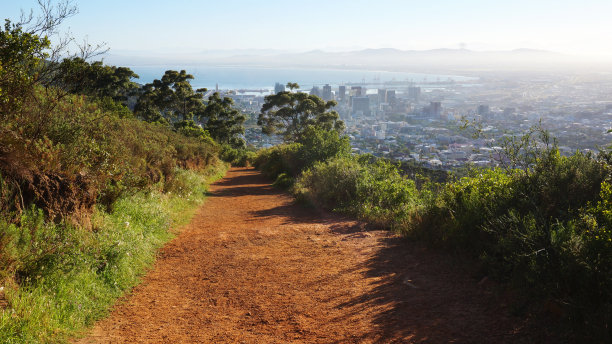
(576,27)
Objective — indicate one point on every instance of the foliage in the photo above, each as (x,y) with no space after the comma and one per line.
(372,191)
(278,159)
(424,176)
(236,157)
(540,222)
(190,129)
(64,155)
(171,98)
(544,230)
(320,145)
(289,114)
(22,57)
(27,56)
(63,152)
(315,145)
(77,76)
(283,181)
(224,123)
(68,276)
(87,191)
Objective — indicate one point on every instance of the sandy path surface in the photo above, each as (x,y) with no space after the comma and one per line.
(252,267)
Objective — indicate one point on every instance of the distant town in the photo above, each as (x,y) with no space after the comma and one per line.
(422,122)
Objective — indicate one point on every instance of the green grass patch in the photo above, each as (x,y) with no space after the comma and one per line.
(60,278)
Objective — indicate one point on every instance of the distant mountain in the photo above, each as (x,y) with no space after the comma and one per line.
(436,60)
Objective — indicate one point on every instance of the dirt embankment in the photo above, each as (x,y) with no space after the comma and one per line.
(252,267)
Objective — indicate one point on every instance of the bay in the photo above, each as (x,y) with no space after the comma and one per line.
(264,78)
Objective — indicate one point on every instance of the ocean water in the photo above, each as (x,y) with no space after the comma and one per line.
(255,78)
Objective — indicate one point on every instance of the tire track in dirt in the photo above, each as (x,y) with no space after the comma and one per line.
(252,267)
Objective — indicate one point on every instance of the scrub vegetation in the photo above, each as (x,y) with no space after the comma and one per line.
(540,223)
(89,190)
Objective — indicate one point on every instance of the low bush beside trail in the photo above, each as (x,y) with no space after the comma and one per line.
(58,278)
(87,196)
(540,223)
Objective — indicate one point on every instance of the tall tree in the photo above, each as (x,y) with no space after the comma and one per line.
(171,98)
(290,114)
(76,75)
(22,57)
(224,123)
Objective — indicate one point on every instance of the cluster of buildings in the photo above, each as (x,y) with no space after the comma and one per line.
(424,122)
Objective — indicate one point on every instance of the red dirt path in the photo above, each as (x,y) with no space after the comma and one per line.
(252,267)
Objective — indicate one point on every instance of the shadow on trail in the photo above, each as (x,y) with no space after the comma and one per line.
(424,296)
(239,191)
(434,297)
(247,179)
(419,297)
(252,183)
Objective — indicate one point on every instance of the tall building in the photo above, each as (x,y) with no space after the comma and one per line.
(357,91)
(414,93)
(390,97)
(278,87)
(341,93)
(435,108)
(315,91)
(360,104)
(327,93)
(382,96)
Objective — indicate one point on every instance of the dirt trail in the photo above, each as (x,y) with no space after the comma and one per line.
(252,267)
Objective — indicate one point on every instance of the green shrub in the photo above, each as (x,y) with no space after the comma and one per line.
(278,159)
(68,276)
(237,157)
(64,154)
(314,146)
(283,181)
(321,145)
(372,191)
(332,184)
(545,230)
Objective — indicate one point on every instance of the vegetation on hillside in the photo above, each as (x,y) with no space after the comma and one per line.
(540,223)
(289,114)
(88,188)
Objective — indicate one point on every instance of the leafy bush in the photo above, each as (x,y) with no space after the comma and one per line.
(64,155)
(283,181)
(67,276)
(544,229)
(236,157)
(321,145)
(87,192)
(314,146)
(278,159)
(372,191)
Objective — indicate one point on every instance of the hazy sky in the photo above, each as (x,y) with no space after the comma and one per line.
(579,27)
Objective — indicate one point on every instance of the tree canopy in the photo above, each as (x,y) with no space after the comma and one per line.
(224,123)
(21,58)
(289,114)
(170,99)
(75,75)
(173,100)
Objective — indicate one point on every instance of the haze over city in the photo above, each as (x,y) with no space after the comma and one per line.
(182,28)
(403,73)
